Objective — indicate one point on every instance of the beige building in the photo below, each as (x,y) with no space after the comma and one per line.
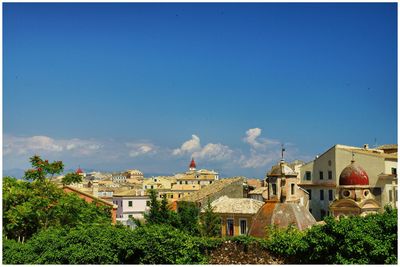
(181,184)
(201,177)
(320,177)
(236,214)
(159,182)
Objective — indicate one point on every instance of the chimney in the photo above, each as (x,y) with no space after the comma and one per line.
(366,146)
(95,189)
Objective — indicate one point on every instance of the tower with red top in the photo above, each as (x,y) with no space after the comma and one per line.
(192,166)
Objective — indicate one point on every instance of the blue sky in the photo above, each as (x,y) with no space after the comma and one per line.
(147,86)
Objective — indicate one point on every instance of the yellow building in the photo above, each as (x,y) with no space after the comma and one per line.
(159,182)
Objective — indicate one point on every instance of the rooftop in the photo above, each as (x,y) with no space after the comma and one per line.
(211,189)
(258,191)
(236,205)
(131,193)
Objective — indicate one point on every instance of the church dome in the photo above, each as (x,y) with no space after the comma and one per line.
(353,175)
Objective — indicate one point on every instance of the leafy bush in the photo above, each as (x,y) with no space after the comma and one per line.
(106,244)
(163,244)
(350,240)
(86,244)
(16,252)
(288,242)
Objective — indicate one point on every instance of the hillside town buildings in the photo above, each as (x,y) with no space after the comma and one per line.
(341,181)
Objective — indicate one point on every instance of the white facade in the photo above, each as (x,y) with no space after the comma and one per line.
(131,206)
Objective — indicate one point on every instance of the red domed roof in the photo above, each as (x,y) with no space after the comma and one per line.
(353,175)
(79,170)
(192,164)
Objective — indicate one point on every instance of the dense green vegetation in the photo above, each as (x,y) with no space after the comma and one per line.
(44,225)
(187,218)
(351,240)
(29,207)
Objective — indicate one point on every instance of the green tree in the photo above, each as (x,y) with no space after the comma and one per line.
(210,223)
(71,178)
(153,216)
(31,206)
(42,169)
(188,217)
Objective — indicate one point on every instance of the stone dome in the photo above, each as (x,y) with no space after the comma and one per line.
(353,175)
(280,215)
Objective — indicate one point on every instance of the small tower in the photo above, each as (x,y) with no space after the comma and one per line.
(80,172)
(282,182)
(192,166)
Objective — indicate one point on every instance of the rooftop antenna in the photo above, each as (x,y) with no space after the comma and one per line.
(352,157)
(375,144)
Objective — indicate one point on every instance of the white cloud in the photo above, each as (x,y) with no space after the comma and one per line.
(189,146)
(210,152)
(256,160)
(252,138)
(262,150)
(137,149)
(44,144)
(214,152)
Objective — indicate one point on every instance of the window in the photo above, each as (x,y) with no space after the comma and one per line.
(292,189)
(274,189)
(323,214)
(243,226)
(148,203)
(330,194)
(394,171)
(130,204)
(377,191)
(179,195)
(321,175)
(186,182)
(211,182)
(229,227)
(130,216)
(308,175)
(151,187)
(145,187)
(198,182)
(390,196)
(172,196)
(309,192)
(330,175)
(321,194)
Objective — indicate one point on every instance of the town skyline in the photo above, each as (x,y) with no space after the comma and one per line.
(149,86)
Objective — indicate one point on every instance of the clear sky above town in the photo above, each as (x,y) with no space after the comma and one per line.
(148,86)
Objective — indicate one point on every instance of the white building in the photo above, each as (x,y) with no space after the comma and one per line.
(131,204)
